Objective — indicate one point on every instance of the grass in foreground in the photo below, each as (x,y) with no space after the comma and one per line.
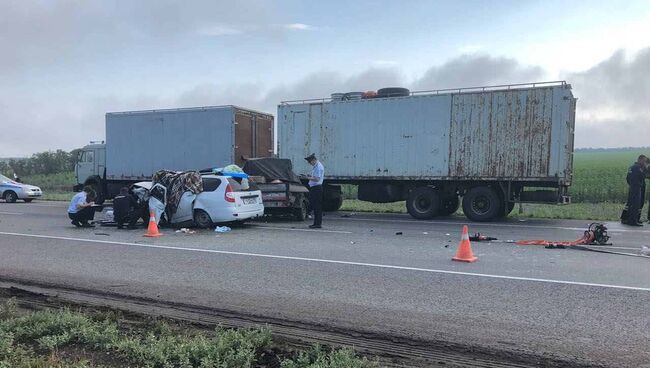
(66,339)
(582,211)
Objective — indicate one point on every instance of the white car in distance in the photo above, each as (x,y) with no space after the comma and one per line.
(12,190)
(223,200)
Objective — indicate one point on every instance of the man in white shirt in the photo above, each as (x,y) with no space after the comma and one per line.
(316,190)
(81,208)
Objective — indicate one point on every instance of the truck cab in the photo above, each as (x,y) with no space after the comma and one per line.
(90,168)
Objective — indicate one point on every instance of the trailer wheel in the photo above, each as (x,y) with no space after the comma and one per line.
(202,219)
(423,203)
(333,203)
(449,205)
(482,204)
(301,212)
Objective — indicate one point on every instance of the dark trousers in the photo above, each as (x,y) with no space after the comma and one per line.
(131,218)
(632,211)
(316,201)
(83,215)
(642,202)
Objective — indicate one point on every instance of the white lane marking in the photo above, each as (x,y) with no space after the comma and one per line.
(331,261)
(491,224)
(615,247)
(10,213)
(307,230)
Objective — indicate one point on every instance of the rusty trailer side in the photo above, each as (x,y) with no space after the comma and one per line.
(505,138)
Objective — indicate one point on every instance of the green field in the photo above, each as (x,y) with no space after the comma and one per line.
(598,189)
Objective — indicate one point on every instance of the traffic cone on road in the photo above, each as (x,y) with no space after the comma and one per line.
(464,253)
(152,230)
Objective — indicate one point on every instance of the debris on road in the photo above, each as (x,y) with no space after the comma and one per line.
(398,233)
(222,229)
(596,234)
(105,234)
(425,233)
(185,230)
(479,237)
(645,250)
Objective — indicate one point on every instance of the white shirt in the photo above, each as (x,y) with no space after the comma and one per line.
(78,199)
(317,171)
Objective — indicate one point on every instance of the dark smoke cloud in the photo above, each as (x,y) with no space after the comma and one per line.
(613,108)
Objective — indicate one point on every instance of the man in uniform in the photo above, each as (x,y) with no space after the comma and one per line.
(124,209)
(81,209)
(316,190)
(636,183)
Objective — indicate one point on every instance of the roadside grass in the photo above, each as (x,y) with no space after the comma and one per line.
(65,338)
(55,187)
(61,182)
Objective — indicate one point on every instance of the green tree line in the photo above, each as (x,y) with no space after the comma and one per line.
(48,162)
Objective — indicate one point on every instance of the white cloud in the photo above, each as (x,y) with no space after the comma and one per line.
(219,30)
(298,27)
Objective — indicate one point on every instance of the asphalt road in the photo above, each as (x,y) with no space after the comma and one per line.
(358,273)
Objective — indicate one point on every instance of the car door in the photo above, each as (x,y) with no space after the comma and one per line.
(185,210)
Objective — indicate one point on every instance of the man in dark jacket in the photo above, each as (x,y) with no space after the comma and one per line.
(124,209)
(636,184)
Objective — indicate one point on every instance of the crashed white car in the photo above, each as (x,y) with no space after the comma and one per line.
(223,200)
(11,190)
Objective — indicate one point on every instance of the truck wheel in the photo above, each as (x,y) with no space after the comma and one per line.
(507,209)
(449,205)
(10,196)
(202,219)
(482,204)
(333,204)
(423,203)
(301,212)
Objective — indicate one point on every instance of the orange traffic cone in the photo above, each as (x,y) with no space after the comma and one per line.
(464,253)
(152,230)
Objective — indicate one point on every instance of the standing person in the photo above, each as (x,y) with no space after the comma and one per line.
(316,190)
(124,209)
(81,208)
(635,181)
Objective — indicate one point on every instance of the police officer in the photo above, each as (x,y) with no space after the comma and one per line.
(124,209)
(316,190)
(636,184)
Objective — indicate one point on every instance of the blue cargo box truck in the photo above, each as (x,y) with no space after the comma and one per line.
(139,143)
(491,146)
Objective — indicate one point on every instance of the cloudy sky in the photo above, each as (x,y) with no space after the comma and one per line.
(63,64)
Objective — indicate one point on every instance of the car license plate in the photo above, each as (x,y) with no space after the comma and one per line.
(249,200)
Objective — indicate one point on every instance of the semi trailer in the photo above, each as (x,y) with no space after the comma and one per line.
(485,148)
(140,143)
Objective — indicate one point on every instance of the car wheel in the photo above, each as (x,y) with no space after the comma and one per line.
(202,219)
(482,204)
(423,203)
(11,197)
(301,212)
(28,200)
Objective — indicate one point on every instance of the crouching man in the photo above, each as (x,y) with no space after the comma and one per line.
(81,210)
(124,209)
